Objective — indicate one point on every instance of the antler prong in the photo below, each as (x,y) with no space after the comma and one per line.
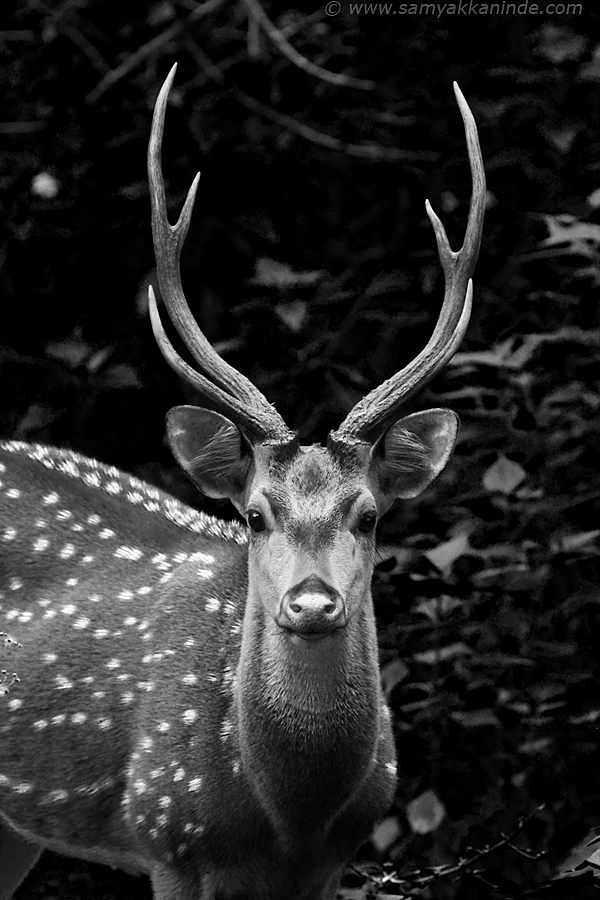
(219,399)
(227,390)
(441,237)
(183,222)
(375,412)
(230,392)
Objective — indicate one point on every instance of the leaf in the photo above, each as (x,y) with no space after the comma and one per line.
(439,654)
(446,553)
(121,376)
(72,353)
(437,607)
(362,893)
(573,392)
(572,542)
(45,185)
(532,748)
(475,718)
(392,674)
(557,43)
(562,138)
(586,851)
(591,71)
(97,359)
(386,283)
(273,273)
(582,238)
(293,314)
(503,476)
(386,833)
(512,577)
(425,813)
(401,556)
(37,417)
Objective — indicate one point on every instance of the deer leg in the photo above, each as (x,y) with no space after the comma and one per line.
(17,857)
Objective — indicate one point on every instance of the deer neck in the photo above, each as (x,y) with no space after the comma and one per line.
(308,717)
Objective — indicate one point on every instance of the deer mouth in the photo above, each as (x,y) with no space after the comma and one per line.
(309,638)
(313,637)
(312,629)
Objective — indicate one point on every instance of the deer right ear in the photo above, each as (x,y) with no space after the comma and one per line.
(413,452)
(210,449)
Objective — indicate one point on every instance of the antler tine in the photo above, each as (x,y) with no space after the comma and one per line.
(219,399)
(231,393)
(369,418)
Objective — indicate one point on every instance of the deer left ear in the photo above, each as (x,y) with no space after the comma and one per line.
(210,449)
(411,454)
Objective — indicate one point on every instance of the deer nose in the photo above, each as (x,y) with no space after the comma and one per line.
(312,607)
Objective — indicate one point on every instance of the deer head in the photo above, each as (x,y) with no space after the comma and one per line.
(311,511)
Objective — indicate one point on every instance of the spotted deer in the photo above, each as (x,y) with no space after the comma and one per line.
(200,700)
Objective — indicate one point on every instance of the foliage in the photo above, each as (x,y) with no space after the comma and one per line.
(311,266)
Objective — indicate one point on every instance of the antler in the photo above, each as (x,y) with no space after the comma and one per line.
(228,391)
(375,412)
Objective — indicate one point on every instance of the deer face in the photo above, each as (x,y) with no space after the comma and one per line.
(311,511)
(312,519)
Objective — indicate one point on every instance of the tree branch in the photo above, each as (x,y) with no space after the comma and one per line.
(290,53)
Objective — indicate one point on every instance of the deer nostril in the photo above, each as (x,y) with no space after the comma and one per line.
(312,612)
(314,603)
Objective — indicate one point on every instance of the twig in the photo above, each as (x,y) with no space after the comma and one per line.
(240,56)
(284,46)
(24,35)
(115,75)
(362,151)
(517,350)
(86,47)
(373,152)
(212,71)
(21,127)
(419,879)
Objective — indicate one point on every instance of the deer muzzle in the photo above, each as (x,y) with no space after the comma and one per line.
(312,609)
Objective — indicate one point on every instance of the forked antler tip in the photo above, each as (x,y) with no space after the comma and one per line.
(457,91)
(431,213)
(153,307)
(169,79)
(378,409)
(161,102)
(440,232)
(180,229)
(468,302)
(460,97)
(194,186)
(229,391)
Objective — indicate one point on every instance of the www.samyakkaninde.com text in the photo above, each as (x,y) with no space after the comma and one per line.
(462,8)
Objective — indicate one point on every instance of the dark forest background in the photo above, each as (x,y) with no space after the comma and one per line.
(312,267)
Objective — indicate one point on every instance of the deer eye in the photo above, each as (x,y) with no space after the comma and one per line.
(256,521)
(367,522)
